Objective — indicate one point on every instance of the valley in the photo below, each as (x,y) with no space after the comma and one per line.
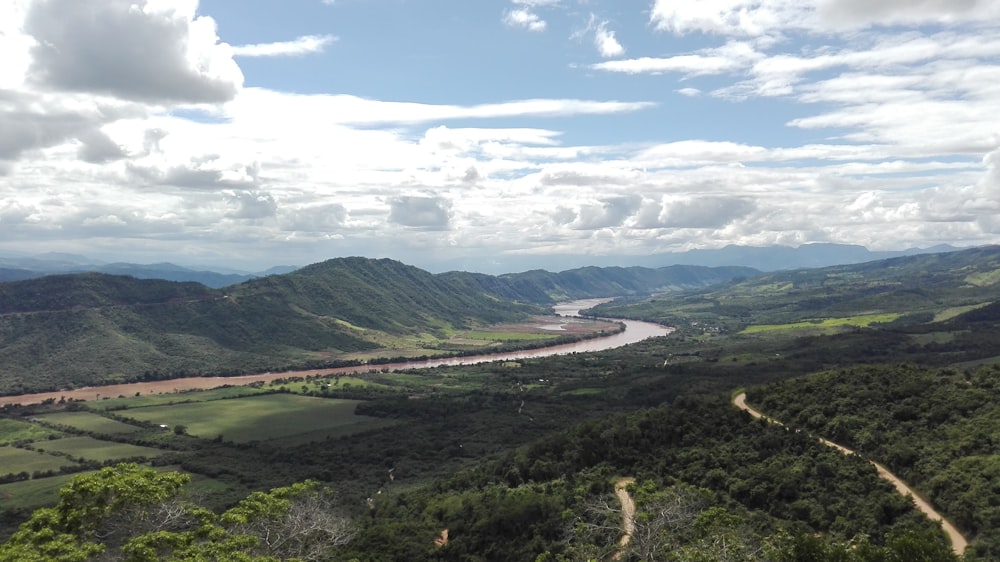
(518,456)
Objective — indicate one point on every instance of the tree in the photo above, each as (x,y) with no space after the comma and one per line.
(135,513)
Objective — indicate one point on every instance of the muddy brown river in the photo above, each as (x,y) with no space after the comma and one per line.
(635,331)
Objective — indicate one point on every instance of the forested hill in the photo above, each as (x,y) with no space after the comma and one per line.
(545,287)
(87,329)
(910,289)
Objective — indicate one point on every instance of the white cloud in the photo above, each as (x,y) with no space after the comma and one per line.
(731,57)
(307,44)
(346,109)
(156,51)
(606,43)
(524,19)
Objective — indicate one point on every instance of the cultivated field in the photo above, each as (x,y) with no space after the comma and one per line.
(96,450)
(167,396)
(15,460)
(826,324)
(12,431)
(87,421)
(260,418)
(30,494)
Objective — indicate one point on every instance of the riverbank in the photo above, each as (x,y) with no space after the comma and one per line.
(634,331)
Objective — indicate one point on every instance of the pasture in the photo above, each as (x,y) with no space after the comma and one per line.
(89,422)
(13,459)
(260,418)
(12,431)
(826,324)
(174,398)
(96,450)
(34,493)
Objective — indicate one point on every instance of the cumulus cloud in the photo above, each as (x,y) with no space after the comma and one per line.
(30,122)
(252,205)
(606,213)
(148,51)
(525,19)
(606,42)
(97,148)
(433,213)
(305,45)
(697,212)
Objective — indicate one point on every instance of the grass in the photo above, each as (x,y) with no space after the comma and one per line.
(89,422)
(259,417)
(949,313)
(97,450)
(34,493)
(827,324)
(506,336)
(984,279)
(14,460)
(584,392)
(13,430)
(40,492)
(174,398)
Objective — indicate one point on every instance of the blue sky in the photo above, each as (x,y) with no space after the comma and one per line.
(254,133)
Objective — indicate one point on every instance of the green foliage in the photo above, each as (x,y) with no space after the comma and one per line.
(139,513)
(935,428)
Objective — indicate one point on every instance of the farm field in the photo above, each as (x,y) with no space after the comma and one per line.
(826,324)
(12,431)
(89,422)
(13,459)
(259,418)
(174,398)
(30,494)
(96,450)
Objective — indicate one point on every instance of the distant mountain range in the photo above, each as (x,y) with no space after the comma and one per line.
(21,268)
(765,258)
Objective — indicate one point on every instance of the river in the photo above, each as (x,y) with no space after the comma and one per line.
(635,331)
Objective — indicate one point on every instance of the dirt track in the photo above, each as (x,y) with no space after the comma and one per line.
(628,514)
(958,542)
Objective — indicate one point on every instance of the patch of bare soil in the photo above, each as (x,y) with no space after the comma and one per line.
(628,514)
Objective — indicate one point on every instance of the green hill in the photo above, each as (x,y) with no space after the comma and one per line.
(88,329)
(910,289)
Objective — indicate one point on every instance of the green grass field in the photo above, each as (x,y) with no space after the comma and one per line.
(97,450)
(949,313)
(174,398)
(14,460)
(826,324)
(13,430)
(260,418)
(90,422)
(35,493)
(506,336)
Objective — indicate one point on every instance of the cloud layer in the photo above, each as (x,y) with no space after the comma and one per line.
(128,128)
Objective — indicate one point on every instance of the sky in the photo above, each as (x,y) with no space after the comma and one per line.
(469,133)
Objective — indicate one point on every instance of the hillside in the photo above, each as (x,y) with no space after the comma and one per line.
(88,329)
(912,288)
(518,460)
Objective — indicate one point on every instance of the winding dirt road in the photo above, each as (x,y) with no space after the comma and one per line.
(958,542)
(628,514)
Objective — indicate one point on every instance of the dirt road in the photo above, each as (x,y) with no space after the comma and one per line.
(628,514)
(958,542)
